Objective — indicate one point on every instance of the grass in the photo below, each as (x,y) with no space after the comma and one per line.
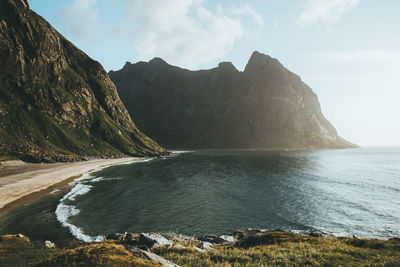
(298,251)
(20,252)
(283,249)
(104,254)
(16,251)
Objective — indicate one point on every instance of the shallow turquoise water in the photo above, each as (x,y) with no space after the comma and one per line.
(344,192)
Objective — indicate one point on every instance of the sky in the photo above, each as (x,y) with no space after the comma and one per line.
(347,51)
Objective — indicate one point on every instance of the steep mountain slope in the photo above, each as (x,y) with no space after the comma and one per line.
(56,103)
(265,106)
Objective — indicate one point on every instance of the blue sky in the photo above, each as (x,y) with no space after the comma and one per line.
(348,51)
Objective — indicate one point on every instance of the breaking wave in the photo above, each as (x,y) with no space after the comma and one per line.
(67,208)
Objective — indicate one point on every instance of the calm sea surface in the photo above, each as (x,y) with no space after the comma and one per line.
(343,192)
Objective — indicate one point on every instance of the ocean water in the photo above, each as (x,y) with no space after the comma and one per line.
(340,192)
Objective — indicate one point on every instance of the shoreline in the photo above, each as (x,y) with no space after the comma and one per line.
(24,183)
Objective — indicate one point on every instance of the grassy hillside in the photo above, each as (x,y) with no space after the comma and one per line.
(56,103)
(280,249)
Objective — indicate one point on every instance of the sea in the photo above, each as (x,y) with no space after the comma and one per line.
(342,192)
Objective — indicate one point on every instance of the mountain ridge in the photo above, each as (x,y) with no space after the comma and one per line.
(264,106)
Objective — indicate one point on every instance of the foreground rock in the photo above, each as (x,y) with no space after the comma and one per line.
(242,238)
(151,239)
(204,246)
(23,237)
(146,255)
(220,240)
(154,240)
(49,244)
(265,106)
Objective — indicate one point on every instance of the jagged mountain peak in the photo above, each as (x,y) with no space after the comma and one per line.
(158,60)
(259,61)
(266,106)
(227,66)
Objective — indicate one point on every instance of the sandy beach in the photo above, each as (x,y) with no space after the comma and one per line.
(22,183)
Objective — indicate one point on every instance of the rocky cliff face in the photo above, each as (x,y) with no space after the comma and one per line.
(265,106)
(55,102)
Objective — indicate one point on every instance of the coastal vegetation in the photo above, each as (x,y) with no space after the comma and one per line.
(278,248)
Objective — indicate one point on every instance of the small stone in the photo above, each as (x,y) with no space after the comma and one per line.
(228,238)
(220,240)
(22,236)
(206,245)
(49,244)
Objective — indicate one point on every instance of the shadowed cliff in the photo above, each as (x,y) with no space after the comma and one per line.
(266,106)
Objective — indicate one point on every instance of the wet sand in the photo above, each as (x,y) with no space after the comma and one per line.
(22,183)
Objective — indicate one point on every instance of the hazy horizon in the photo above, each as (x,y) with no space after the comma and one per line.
(345,50)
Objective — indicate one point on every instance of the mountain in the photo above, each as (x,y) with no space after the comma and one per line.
(56,103)
(266,106)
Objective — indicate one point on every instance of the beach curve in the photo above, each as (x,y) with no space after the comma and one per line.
(22,183)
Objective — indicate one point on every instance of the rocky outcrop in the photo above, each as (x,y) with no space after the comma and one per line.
(153,240)
(56,103)
(244,238)
(147,255)
(266,106)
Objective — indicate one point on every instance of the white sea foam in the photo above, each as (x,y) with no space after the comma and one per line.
(85,176)
(54,191)
(99,179)
(63,212)
(66,209)
(78,190)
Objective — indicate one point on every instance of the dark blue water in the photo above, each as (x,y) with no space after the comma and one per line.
(343,192)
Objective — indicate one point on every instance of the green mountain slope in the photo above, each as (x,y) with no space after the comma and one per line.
(57,104)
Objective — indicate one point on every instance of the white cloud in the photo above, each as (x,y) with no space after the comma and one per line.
(81,19)
(249,10)
(183,32)
(326,11)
